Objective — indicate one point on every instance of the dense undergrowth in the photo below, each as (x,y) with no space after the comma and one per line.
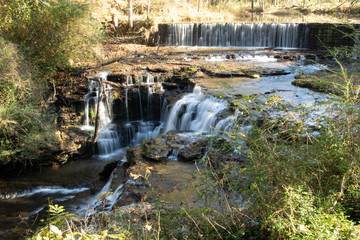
(26,127)
(38,38)
(300,180)
(295,185)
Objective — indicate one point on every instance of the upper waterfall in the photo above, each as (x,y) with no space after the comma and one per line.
(259,35)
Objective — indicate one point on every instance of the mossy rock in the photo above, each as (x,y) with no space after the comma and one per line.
(193,151)
(317,85)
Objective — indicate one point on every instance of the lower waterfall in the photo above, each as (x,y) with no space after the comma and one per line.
(195,112)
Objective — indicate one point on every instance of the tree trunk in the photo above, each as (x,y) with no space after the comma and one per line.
(130,14)
(148,9)
(97,119)
(252,4)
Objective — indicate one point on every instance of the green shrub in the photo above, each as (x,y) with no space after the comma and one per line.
(54,33)
(26,130)
(303,217)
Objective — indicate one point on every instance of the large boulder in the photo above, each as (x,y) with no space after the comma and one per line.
(160,148)
(222,153)
(193,151)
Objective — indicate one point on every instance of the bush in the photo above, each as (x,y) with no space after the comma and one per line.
(26,130)
(54,33)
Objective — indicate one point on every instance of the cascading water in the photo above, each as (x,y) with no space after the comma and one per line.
(258,35)
(143,119)
(108,140)
(195,112)
(90,97)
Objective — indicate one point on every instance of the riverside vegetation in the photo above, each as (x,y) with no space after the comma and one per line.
(37,38)
(295,184)
(299,181)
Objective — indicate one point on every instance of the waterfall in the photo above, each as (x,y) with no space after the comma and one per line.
(258,35)
(195,112)
(226,124)
(149,79)
(129,80)
(92,95)
(150,104)
(108,140)
(163,107)
(140,103)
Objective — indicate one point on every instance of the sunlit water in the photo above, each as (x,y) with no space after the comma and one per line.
(77,185)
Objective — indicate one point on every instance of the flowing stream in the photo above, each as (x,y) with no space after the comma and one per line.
(146,114)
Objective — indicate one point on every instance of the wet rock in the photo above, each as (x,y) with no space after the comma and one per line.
(273,72)
(222,153)
(173,97)
(74,142)
(317,84)
(158,149)
(193,151)
(108,169)
(170,86)
(133,155)
(223,74)
(238,74)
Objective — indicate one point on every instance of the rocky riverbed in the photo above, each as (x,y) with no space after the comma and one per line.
(163,168)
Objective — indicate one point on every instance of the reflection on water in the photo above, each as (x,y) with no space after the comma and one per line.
(25,195)
(281,85)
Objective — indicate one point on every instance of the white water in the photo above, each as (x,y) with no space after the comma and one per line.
(44,191)
(242,57)
(108,140)
(105,195)
(195,112)
(257,35)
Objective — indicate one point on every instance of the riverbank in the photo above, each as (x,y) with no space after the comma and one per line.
(271,112)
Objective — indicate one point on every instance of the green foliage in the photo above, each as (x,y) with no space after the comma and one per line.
(301,180)
(303,218)
(61,225)
(52,32)
(26,130)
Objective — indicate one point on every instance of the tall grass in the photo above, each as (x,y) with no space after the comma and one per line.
(54,33)
(26,130)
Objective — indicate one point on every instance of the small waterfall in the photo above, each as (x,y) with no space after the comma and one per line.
(259,35)
(129,80)
(226,124)
(127,104)
(163,107)
(134,132)
(108,140)
(160,83)
(91,96)
(140,79)
(195,112)
(150,104)
(149,79)
(140,102)
(145,130)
